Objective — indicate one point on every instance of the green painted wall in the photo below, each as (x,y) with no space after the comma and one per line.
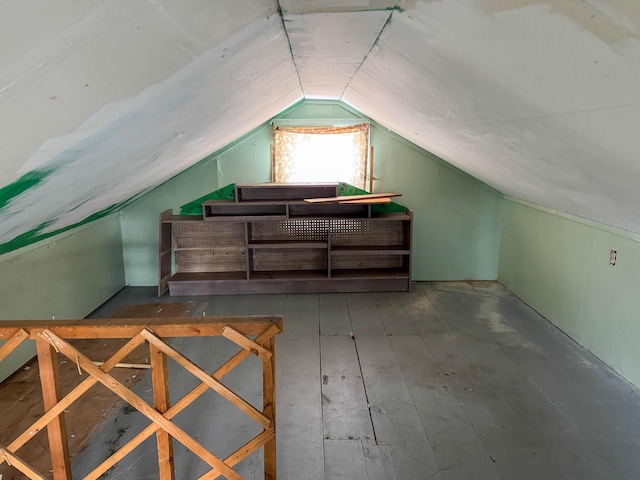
(67,276)
(457,218)
(559,264)
(140,230)
(248,162)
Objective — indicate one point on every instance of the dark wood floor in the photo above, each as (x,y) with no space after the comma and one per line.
(450,381)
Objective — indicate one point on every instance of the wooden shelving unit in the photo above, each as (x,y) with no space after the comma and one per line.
(269,240)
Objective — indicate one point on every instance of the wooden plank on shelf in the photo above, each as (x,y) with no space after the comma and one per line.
(343,198)
(366,200)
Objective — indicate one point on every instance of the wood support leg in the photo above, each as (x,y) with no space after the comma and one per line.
(56,429)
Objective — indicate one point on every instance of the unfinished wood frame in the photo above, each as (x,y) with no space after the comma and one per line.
(255,335)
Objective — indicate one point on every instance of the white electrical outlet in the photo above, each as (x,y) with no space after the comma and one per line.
(612,257)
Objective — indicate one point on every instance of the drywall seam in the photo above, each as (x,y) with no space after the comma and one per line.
(286,33)
(373,45)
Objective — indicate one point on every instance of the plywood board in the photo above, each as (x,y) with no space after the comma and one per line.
(346,198)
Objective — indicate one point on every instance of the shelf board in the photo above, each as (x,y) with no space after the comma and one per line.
(213,210)
(208,249)
(208,276)
(374,273)
(283,191)
(391,216)
(288,282)
(182,218)
(370,250)
(287,244)
(297,210)
(289,275)
(244,218)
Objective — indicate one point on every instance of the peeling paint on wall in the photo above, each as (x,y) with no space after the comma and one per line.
(24,183)
(42,232)
(132,145)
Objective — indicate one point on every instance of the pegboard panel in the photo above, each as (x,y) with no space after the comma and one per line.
(346,232)
(304,230)
(209,247)
(289,259)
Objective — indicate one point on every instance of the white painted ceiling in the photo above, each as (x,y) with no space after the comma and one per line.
(100,101)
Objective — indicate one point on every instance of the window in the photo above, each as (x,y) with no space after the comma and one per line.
(321,154)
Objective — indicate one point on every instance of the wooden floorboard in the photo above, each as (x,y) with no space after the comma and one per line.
(344,460)
(334,315)
(345,415)
(378,461)
(395,417)
(298,382)
(448,381)
(457,446)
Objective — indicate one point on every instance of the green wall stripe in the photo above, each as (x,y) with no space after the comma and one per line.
(24,183)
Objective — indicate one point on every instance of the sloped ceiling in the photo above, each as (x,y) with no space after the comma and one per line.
(100,101)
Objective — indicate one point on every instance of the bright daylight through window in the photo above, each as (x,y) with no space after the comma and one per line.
(321,154)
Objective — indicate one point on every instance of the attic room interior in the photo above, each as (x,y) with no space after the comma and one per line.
(494,337)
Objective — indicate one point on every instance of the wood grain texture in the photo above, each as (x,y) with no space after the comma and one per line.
(129,327)
(161,402)
(56,428)
(343,198)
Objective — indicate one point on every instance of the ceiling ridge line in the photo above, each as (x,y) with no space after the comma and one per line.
(293,58)
(373,44)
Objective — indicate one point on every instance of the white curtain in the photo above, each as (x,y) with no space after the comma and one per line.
(321,154)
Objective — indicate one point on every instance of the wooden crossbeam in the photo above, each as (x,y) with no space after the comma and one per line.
(50,339)
(139,404)
(164,327)
(183,403)
(243,452)
(212,383)
(12,343)
(72,396)
(246,343)
(15,461)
